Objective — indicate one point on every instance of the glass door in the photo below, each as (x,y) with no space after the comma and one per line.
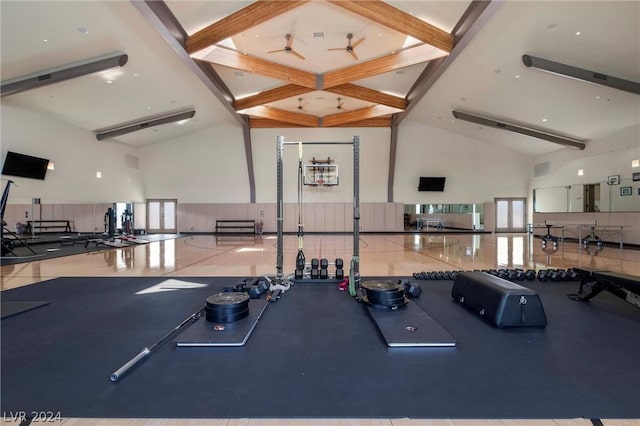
(510,214)
(161,216)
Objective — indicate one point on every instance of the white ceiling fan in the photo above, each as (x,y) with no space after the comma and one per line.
(350,47)
(288,48)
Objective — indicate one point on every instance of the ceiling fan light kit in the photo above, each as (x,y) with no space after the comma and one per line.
(288,48)
(350,47)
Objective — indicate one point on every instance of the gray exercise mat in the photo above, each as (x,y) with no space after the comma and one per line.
(410,326)
(206,333)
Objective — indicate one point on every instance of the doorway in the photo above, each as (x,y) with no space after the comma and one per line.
(591,197)
(510,214)
(162,216)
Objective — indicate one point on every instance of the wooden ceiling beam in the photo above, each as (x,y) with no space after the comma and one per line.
(356,115)
(397,60)
(269,96)
(281,115)
(369,95)
(396,19)
(245,18)
(371,122)
(265,123)
(232,59)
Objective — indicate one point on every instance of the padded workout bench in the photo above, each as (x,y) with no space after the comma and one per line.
(48,224)
(501,302)
(593,282)
(235,226)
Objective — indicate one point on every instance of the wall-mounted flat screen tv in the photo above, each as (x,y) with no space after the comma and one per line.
(22,165)
(431,184)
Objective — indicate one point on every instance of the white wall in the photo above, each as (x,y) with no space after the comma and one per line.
(202,167)
(77,156)
(374,163)
(476,172)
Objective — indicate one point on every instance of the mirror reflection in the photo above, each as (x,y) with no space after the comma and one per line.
(617,195)
(443,217)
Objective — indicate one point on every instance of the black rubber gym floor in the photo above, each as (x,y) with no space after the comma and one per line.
(314,353)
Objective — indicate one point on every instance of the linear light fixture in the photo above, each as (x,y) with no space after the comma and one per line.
(123,129)
(491,122)
(45,78)
(580,74)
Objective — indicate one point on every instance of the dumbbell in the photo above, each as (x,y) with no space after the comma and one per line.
(543,275)
(572,275)
(529,274)
(411,290)
(339,263)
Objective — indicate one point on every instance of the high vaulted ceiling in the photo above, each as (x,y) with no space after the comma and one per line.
(416,60)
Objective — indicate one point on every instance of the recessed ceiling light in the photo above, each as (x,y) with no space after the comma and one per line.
(544,120)
(82,30)
(109,81)
(148,107)
(136,74)
(552,27)
(578,33)
(45,40)
(517,75)
(597,97)
(580,172)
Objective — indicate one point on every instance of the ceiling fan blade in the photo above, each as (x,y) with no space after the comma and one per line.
(274,51)
(336,48)
(297,54)
(353,53)
(358,42)
(289,40)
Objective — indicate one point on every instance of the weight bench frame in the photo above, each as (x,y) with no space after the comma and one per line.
(594,282)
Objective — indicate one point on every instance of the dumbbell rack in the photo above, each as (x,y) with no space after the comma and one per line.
(317,272)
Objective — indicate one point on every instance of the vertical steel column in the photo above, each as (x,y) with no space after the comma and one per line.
(356,199)
(279,210)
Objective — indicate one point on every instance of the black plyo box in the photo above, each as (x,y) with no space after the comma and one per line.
(501,302)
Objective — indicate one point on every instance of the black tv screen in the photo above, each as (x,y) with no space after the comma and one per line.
(22,165)
(431,184)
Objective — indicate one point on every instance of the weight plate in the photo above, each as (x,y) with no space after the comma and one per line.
(379,286)
(225,317)
(386,298)
(225,300)
(368,302)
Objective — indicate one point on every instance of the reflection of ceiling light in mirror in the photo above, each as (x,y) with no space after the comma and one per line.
(51,166)
(635,163)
